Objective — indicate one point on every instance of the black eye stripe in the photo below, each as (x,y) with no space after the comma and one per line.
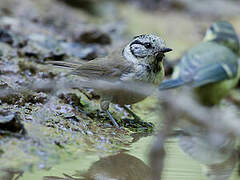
(146,45)
(136,42)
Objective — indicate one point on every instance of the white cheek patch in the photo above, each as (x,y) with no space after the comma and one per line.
(139,50)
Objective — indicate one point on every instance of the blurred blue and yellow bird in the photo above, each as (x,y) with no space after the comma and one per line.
(211,67)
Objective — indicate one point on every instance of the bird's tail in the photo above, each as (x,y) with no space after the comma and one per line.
(169,84)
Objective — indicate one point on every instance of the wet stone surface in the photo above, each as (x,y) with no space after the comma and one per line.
(94,36)
(43,123)
(53,122)
(10,124)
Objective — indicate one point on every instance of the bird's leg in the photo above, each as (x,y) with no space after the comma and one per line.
(137,118)
(104,106)
(112,119)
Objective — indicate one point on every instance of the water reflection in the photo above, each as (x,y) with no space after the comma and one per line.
(178,166)
(116,167)
(214,150)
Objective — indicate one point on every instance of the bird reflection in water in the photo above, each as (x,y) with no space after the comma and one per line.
(214,150)
(116,167)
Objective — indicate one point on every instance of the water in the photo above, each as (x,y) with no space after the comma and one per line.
(177,164)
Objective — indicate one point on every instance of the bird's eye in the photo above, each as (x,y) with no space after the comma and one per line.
(147,45)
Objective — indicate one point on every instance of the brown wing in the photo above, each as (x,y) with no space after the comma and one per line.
(104,68)
(112,66)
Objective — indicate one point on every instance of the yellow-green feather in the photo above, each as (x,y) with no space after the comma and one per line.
(212,94)
(216,55)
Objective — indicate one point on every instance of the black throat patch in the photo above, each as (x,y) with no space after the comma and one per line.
(154,67)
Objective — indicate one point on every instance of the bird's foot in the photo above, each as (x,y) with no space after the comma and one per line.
(136,117)
(137,122)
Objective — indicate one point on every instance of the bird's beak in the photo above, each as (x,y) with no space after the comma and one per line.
(160,55)
(165,50)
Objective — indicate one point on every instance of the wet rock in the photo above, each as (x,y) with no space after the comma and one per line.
(71,98)
(94,7)
(41,48)
(46,75)
(11,38)
(27,67)
(93,36)
(6,37)
(90,6)
(11,123)
(44,85)
(77,50)
(8,68)
(6,51)
(55,55)
(3,84)
(83,4)
(89,54)
(50,45)
(90,94)
(178,5)
(44,41)
(33,98)
(29,51)
(40,98)
(10,96)
(7,94)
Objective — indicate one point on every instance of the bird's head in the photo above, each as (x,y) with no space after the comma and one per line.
(223,33)
(146,48)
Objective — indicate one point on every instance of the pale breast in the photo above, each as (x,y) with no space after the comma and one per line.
(145,73)
(142,74)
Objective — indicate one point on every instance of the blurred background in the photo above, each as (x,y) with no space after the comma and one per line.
(48,137)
